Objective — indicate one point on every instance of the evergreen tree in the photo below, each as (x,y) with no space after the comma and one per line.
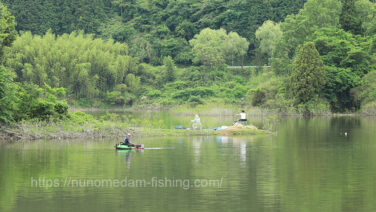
(307,77)
(349,19)
(170,69)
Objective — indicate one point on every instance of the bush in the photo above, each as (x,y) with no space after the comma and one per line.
(154,93)
(199,91)
(61,108)
(195,100)
(258,97)
(42,110)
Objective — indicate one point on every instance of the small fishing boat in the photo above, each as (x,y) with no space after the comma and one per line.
(129,147)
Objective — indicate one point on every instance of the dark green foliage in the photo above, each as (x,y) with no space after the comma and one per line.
(157,27)
(38,16)
(307,76)
(346,63)
(337,89)
(61,109)
(349,20)
(169,74)
(42,110)
(258,97)
(202,92)
(195,100)
(159,32)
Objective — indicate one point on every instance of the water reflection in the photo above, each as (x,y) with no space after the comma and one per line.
(308,166)
(196,143)
(128,154)
(223,140)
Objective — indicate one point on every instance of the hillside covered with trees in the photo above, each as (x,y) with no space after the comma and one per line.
(165,52)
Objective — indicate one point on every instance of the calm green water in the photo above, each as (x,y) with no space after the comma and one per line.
(310,165)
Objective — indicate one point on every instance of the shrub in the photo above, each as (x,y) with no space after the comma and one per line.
(195,100)
(199,91)
(258,97)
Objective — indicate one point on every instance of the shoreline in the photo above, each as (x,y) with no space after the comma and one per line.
(45,131)
(218,111)
(81,125)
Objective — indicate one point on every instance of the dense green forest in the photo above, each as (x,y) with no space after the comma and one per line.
(153,29)
(165,52)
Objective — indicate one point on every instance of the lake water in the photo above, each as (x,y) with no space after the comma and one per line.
(318,164)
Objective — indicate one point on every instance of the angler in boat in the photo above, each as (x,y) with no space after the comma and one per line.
(127,145)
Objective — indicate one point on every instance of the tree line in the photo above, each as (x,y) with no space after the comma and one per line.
(325,53)
(322,54)
(153,29)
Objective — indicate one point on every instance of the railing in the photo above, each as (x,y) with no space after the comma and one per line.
(248,66)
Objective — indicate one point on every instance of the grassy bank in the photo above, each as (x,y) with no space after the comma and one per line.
(84,126)
(209,108)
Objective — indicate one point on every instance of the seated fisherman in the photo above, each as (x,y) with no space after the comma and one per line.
(127,140)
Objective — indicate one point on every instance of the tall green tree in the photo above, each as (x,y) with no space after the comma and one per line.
(297,28)
(349,18)
(87,67)
(8,32)
(366,12)
(347,60)
(213,47)
(169,74)
(8,96)
(268,34)
(308,76)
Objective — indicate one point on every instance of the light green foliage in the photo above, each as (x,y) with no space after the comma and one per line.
(8,96)
(207,47)
(7,28)
(316,14)
(342,49)
(367,90)
(234,47)
(366,12)
(213,47)
(189,92)
(297,28)
(41,104)
(162,32)
(268,90)
(307,77)
(133,83)
(268,34)
(120,96)
(87,67)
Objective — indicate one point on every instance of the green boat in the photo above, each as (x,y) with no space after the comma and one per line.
(126,147)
